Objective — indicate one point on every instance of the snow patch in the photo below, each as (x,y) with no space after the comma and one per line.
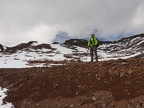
(2,96)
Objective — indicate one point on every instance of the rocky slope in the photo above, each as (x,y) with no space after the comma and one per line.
(129,45)
(123,47)
(106,84)
(34,54)
(73,83)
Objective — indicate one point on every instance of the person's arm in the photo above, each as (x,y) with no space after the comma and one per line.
(89,43)
(95,41)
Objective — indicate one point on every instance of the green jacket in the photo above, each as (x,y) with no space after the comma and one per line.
(92,42)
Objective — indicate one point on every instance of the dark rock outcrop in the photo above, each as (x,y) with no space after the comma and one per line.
(1,47)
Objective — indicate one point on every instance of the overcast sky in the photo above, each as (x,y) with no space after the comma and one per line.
(45,20)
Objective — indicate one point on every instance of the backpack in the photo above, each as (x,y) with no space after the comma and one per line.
(98,43)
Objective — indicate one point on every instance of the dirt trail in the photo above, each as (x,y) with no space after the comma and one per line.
(106,84)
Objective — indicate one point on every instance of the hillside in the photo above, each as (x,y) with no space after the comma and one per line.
(42,75)
(106,84)
(35,54)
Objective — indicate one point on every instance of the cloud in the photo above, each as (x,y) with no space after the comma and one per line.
(41,32)
(43,20)
(138,19)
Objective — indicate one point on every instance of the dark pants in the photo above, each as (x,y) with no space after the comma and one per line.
(93,50)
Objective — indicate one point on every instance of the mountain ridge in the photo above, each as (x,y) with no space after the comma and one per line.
(71,50)
(84,41)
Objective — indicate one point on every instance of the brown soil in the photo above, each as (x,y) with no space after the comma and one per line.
(106,84)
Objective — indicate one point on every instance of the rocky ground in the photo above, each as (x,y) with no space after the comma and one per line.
(105,84)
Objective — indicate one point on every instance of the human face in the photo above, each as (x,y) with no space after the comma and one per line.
(92,35)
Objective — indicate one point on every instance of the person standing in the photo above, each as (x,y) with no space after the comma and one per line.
(93,44)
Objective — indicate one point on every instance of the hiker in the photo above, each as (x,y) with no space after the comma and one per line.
(93,44)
